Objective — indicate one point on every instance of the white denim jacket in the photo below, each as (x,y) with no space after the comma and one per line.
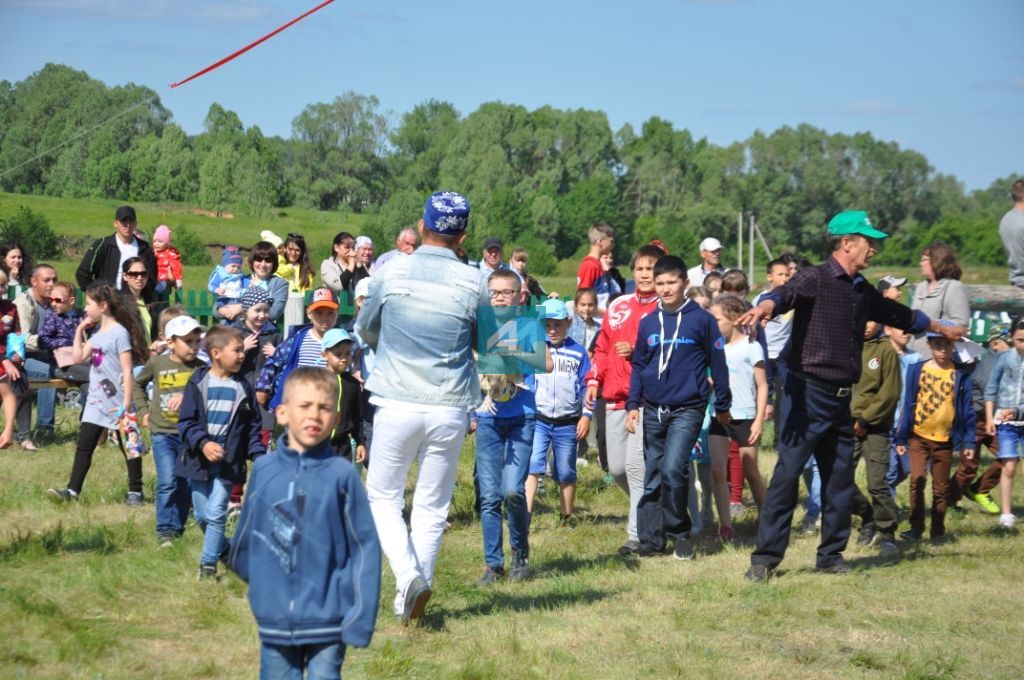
(420,317)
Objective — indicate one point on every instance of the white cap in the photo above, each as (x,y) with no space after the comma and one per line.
(180,326)
(362,288)
(710,244)
(271,238)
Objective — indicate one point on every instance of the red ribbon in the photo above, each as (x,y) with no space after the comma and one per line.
(251,45)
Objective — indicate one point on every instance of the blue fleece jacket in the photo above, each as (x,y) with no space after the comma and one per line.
(307,547)
(688,354)
(963,408)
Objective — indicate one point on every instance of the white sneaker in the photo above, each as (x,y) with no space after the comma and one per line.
(1007,520)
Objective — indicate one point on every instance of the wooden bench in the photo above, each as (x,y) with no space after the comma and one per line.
(51,384)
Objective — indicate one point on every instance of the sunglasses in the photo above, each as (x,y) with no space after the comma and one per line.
(136,274)
(262,258)
(58,300)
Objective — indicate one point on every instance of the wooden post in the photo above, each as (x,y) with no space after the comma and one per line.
(750,249)
(739,240)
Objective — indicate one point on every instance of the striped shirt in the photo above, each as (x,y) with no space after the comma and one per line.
(220,402)
(311,352)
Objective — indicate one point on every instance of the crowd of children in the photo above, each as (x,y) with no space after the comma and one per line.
(677,392)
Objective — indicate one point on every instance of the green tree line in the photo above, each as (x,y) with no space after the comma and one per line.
(536,178)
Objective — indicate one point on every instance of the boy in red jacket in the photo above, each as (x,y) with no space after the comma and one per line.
(168,260)
(611,371)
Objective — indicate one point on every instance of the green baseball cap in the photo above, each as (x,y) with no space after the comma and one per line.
(853,222)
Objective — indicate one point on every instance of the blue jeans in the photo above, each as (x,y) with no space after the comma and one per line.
(172,492)
(899,469)
(662,513)
(320,662)
(45,401)
(1011,441)
(812,478)
(562,438)
(210,500)
(503,447)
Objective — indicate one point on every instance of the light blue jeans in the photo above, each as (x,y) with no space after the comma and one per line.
(172,493)
(320,662)
(813,481)
(560,438)
(210,501)
(503,447)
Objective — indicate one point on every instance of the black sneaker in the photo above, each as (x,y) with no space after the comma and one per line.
(520,569)
(758,573)
(630,547)
(649,552)
(911,535)
(62,495)
(416,597)
(134,499)
(492,575)
(207,571)
(683,549)
(866,535)
(887,547)
(838,567)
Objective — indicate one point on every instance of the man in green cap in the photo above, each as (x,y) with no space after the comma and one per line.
(832,302)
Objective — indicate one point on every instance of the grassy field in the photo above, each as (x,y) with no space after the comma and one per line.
(86,593)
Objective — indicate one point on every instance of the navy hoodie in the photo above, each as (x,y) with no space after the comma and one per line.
(697,347)
(307,547)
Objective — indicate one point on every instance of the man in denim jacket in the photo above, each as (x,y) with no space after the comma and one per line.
(420,318)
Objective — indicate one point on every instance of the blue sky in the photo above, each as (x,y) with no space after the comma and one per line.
(944,77)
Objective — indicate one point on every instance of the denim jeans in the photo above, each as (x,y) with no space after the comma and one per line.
(503,447)
(320,662)
(172,492)
(1011,441)
(45,401)
(669,436)
(899,469)
(813,481)
(561,438)
(210,500)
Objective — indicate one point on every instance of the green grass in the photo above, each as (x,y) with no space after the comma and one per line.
(86,593)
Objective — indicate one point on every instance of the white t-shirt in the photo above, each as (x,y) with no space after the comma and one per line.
(777,331)
(741,357)
(128,251)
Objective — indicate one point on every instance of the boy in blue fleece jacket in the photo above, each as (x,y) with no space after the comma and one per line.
(676,345)
(306,543)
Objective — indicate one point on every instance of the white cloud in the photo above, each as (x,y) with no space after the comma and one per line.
(142,10)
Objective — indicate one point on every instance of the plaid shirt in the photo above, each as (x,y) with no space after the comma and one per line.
(828,327)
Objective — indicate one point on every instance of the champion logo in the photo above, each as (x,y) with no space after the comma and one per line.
(652,340)
(720,343)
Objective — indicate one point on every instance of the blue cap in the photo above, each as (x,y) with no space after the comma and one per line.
(942,322)
(333,337)
(446,212)
(554,309)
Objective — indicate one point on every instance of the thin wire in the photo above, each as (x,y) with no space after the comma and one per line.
(78,136)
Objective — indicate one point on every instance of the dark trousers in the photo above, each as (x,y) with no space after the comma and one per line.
(937,456)
(814,422)
(964,481)
(662,512)
(89,437)
(880,508)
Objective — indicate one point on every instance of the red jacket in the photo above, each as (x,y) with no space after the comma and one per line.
(168,264)
(610,371)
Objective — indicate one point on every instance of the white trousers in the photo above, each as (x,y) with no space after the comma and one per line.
(626,460)
(400,436)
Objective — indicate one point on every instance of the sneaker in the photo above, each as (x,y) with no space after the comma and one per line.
(809,526)
(28,445)
(1007,520)
(166,540)
(630,547)
(134,499)
(568,521)
(726,533)
(416,597)
(683,549)
(986,503)
(911,535)
(887,547)
(520,569)
(62,495)
(838,567)
(492,575)
(758,573)
(207,571)
(582,462)
(735,510)
(866,535)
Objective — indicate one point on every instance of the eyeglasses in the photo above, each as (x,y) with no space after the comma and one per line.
(136,274)
(507,293)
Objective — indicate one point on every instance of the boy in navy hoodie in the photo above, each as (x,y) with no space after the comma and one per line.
(676,345)
(219,426)
(306,543)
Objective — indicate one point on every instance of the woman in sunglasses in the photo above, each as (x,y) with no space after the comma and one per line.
(297,270)
(263,261)
(135,277)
